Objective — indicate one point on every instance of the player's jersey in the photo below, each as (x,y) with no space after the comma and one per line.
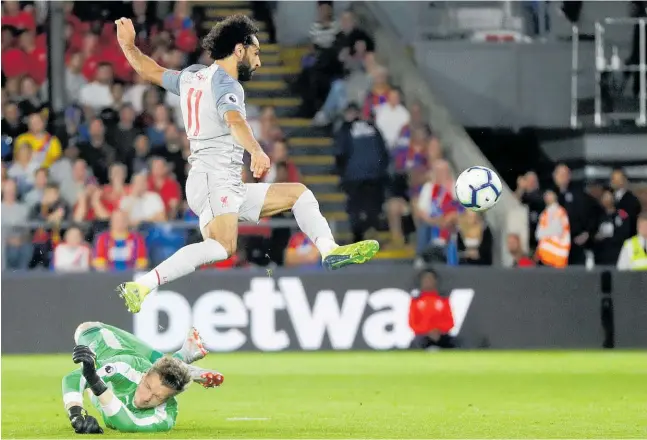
(122,374)
(206,94)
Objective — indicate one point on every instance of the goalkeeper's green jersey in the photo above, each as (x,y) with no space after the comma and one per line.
(122,373)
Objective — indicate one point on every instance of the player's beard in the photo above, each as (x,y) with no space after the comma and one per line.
(245,71)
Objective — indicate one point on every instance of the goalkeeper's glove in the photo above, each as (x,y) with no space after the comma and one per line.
(83,354)
(82,422)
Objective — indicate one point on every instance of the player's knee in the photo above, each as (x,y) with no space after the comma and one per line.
(229,244)
(296,191)
(84,327)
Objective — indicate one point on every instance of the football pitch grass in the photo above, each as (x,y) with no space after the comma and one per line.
(402,395)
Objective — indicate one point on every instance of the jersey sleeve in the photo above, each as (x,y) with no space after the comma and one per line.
(171,78)
(73,386)
(228,96)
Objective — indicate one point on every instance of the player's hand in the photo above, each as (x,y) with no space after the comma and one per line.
(85,424)
(125,31)
(260,163)
(83,354)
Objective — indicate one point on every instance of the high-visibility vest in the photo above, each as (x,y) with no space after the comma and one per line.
(553,251)
(638,254)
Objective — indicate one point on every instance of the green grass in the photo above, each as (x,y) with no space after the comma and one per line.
(599,395)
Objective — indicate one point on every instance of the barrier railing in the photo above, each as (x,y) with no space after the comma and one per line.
(605,66)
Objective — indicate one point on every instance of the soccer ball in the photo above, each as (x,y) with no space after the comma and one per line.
(478,188)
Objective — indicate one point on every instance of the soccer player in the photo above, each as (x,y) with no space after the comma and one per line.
(143,381)
(214,117)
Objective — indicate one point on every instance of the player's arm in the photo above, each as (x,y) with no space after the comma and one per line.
(147,68)
(229,104)
(73,386)
(124,420)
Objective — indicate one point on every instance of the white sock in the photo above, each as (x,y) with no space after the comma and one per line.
(312,223)
(183,262)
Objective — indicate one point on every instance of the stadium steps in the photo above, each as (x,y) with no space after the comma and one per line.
(311,148)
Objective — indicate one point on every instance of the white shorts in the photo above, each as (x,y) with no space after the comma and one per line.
(209,195)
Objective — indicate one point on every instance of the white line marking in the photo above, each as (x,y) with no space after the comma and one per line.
(246,419)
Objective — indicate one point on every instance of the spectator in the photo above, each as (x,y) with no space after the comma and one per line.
(23,169)
(633,255)
(12,126)
(267,122)
(74,79)
(614,228)
(157,130)
(73,187)
(437,214)
(474,240)
(301,252)
(142,205)
(52,211)
(581,216)
(30,102)
(362,161)
(119,249)
(624,199)
(139,162)
(164,184)
(391,117)
(13,16)
(70,134)
(124,135)
(430,314)
(145,26)
(12,87)
(179,20)
(46,148)
(519,258)
(18,250)
(378,94)
(14,60)
(135,94)
(98,94)
(173,152)
(279,154)
(61,170)
(349,35)
(116,190)
(33,197)
(553,233)
(529,194)
(97,152)
(36,56)
(150,101)
(409,165)
(117,91)
(317,79)
(89,206)
(73,254)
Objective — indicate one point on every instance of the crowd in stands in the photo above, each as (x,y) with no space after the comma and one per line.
(578,226)
(96,182)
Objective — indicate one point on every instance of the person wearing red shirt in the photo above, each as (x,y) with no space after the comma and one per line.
(518,257)
(430,314)
(13,16)
(14,62)
(163,183)
(36,56)
(119,249)
(116,189)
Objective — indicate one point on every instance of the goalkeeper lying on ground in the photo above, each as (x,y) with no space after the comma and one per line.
(132,385)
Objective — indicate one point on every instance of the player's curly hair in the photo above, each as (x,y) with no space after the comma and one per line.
(224,36)
(174,373)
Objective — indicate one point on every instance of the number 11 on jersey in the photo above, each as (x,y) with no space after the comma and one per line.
(193,105)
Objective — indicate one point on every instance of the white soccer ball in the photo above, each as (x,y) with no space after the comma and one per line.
(478,188)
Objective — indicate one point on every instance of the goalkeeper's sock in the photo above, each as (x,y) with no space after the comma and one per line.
(183,262)
(312,222)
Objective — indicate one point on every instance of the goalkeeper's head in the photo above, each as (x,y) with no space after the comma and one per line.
(167,377)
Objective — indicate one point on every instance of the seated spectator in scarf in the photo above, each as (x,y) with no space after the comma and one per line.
(46,149)
(73,254)
(301,252)
(119,248)
(437,214)
(379,92)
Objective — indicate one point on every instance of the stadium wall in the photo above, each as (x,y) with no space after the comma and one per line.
(354,309)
